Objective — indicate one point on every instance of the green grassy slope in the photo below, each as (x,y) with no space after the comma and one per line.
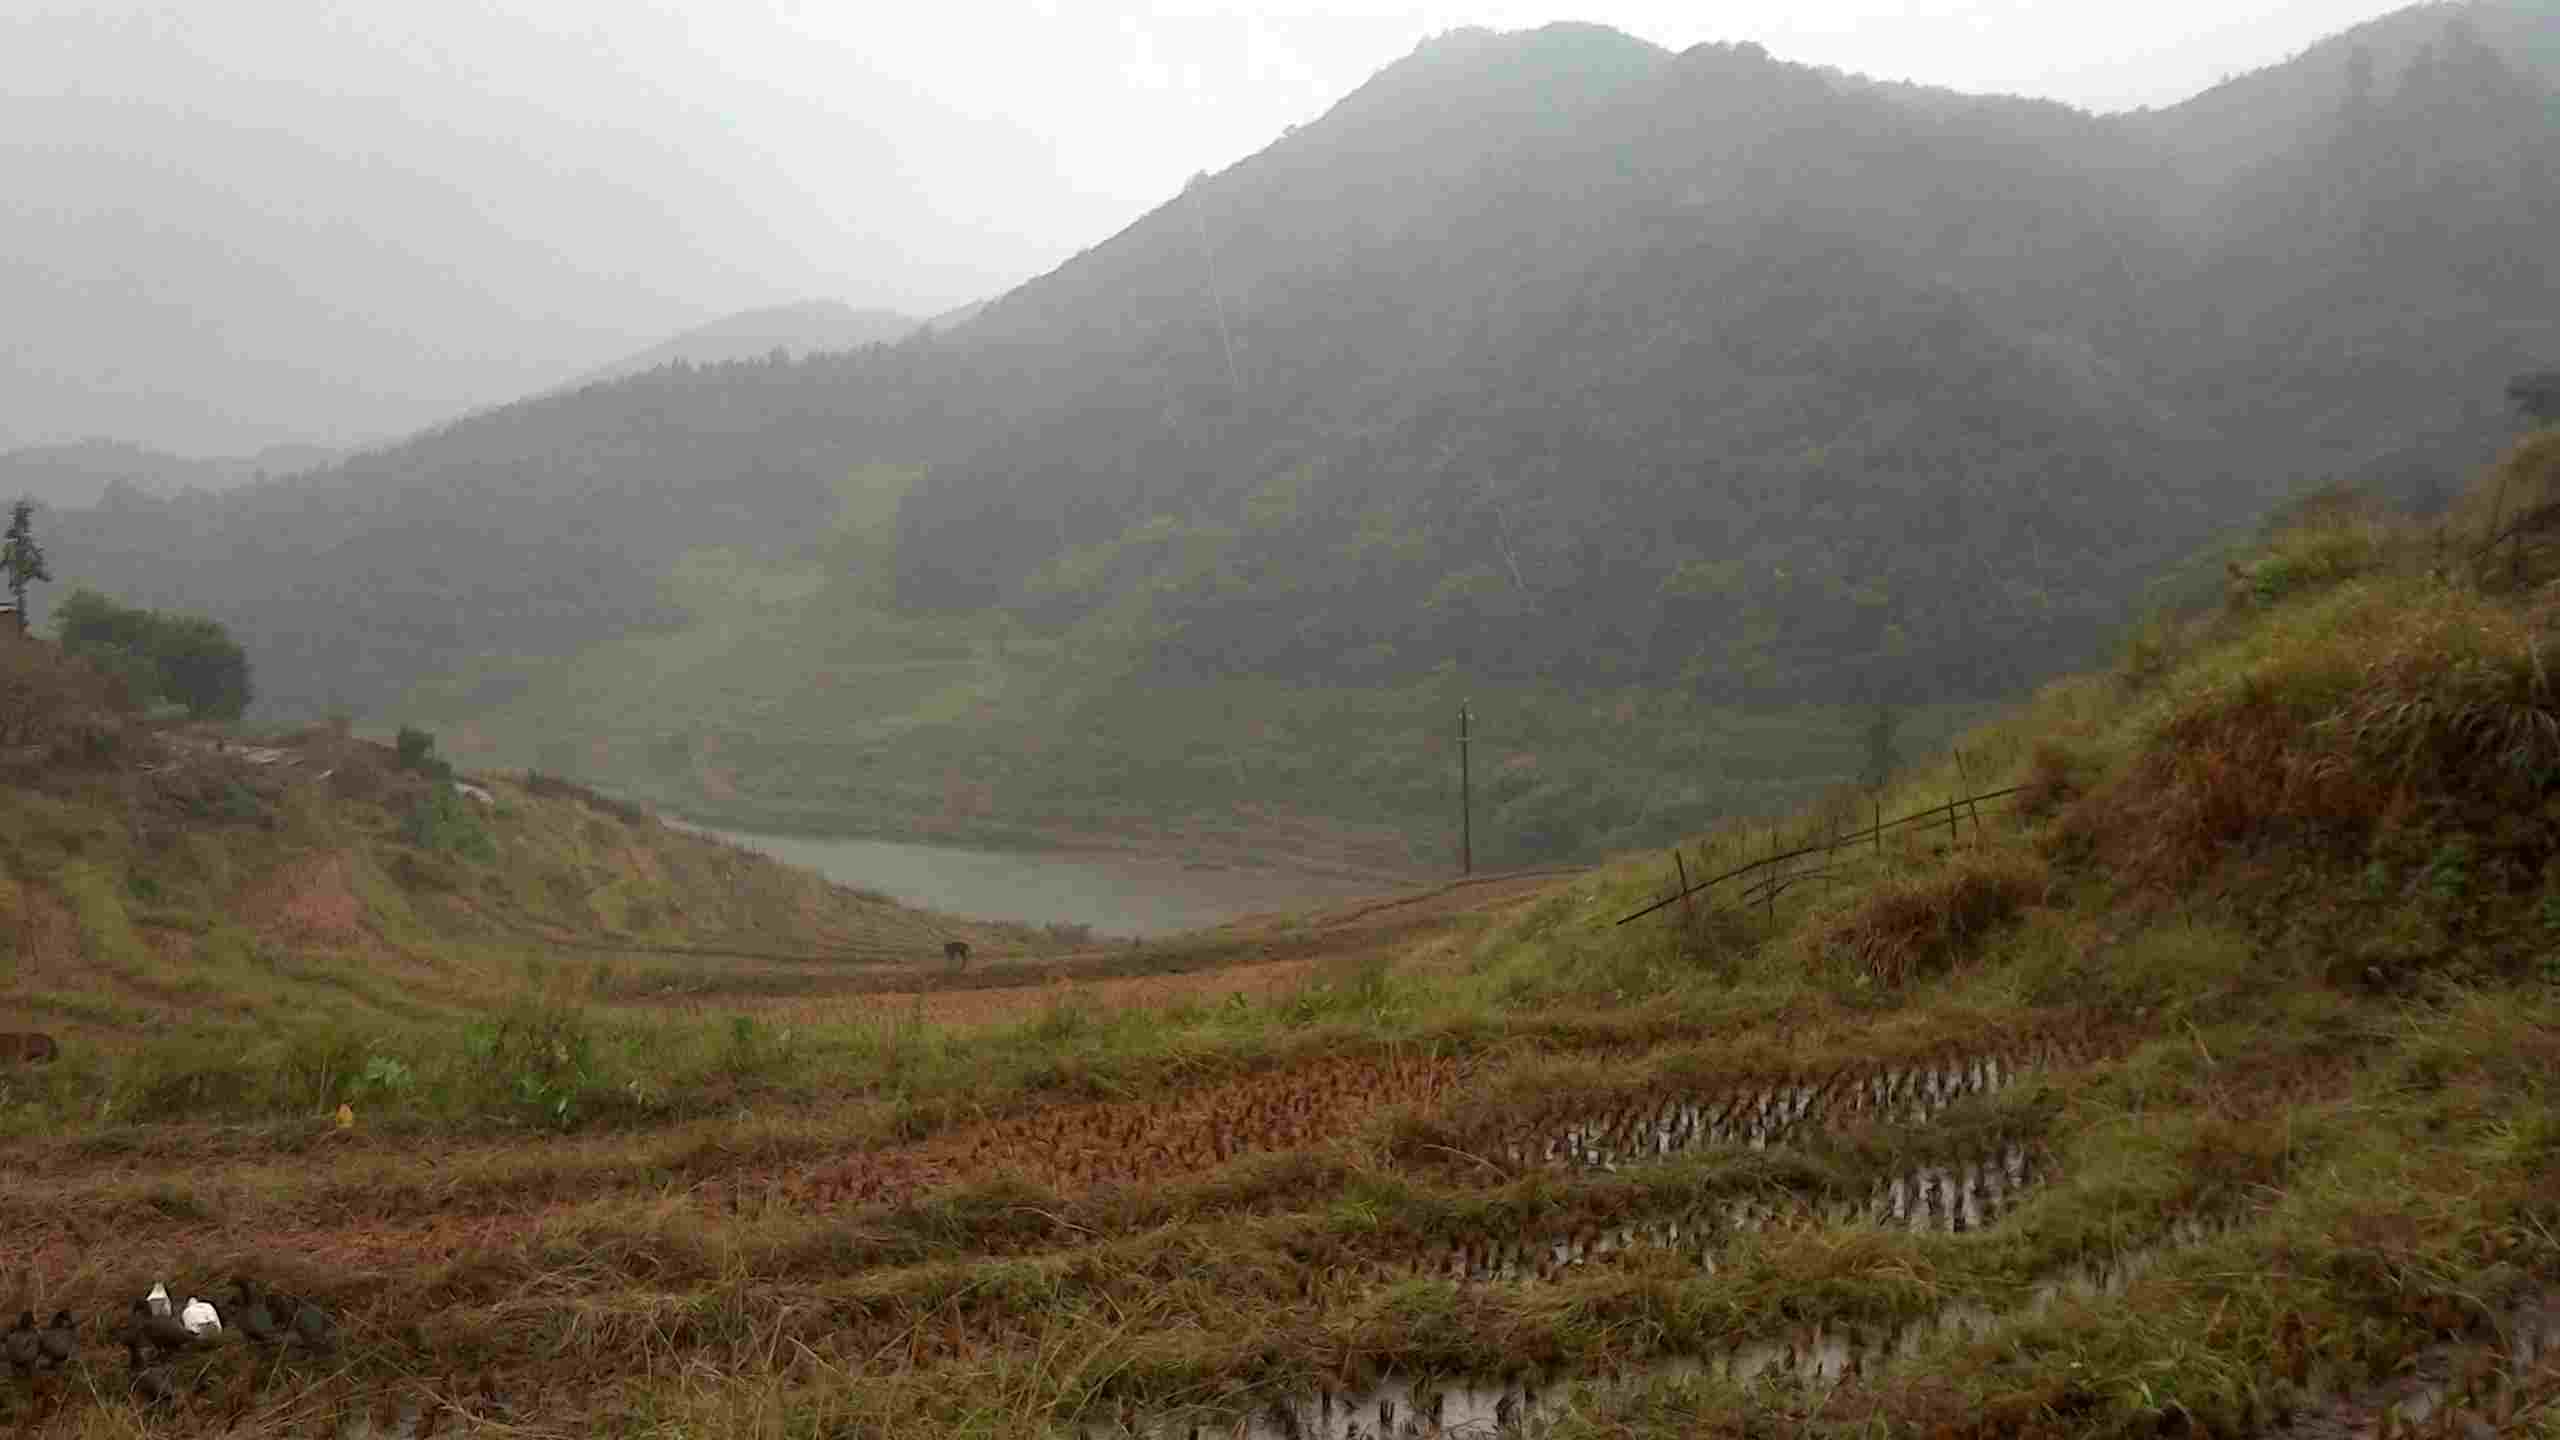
(208,926)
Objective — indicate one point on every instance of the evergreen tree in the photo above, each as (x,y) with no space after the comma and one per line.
(21,558)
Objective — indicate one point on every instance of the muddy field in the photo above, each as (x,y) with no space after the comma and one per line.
(1571,1218)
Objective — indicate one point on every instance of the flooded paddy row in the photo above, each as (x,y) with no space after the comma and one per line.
(2453,1388)
(1528,1401)
(1953,1197)
(1957,1197)
(2468,1385)
(1760,1116)
(1145,1142)
(1792,1366)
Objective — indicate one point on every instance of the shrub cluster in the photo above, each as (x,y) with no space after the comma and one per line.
(537,783)
(183,660)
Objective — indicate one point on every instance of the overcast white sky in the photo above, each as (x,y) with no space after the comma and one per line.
(501,192)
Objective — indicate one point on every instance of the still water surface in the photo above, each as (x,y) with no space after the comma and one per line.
(1117,893)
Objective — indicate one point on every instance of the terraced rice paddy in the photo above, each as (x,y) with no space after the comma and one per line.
(1419,1242)
(2051,1130)
(1531,1402)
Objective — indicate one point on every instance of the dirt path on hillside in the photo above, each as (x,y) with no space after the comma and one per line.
(1386,928)
(1257,957)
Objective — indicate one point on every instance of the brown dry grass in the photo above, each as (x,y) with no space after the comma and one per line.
(2226,770)
(1068,1149)
(310,900)
(57,711)
(2054,778)
(2406,703)
(1918,924)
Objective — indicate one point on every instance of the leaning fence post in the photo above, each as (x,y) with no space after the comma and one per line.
(1976,810)
(1688,902)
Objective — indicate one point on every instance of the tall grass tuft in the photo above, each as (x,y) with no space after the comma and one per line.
(2394,701)
(305,1070)
(2508,523)
(2327,538)
(1908,926)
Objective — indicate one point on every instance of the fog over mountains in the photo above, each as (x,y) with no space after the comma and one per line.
(242,225)
(79,474)
(1549,354)
(807,328)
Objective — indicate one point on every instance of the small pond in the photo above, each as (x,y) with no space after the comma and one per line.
(1116,892)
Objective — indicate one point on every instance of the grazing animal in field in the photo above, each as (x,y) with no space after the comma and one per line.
(254,1316)
(153,1385)
(271,1317)
(162,1333)
(27,1047)
(60,1341)
(313,1327)
(23,1344)
(957,952)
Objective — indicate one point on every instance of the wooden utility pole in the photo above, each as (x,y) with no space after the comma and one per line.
(1466,807)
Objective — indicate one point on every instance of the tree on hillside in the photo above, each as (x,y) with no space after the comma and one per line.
(21,558)
(184,659)
(203,668)
(2536,397)
(112,638)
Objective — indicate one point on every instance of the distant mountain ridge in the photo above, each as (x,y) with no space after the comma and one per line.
(807,327)
(82,473)
(1553,356)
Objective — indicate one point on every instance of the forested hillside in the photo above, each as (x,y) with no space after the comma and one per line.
(1549,360)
